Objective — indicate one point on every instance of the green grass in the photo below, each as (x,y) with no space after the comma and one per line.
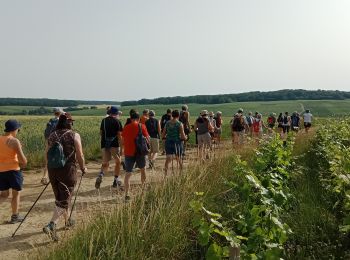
(319,108)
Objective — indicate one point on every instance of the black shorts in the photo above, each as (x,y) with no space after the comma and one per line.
(11,180)
(307,125)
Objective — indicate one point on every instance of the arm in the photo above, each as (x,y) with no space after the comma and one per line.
(120,141)
(182,132)
(164,132)
(159,129)
(79,152)
(16,145)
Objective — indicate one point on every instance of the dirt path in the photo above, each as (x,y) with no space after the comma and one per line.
(30,236)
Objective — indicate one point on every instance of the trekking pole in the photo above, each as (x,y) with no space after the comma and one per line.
(76,195)
(14,233)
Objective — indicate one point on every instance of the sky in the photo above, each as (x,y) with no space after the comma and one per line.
(133,49)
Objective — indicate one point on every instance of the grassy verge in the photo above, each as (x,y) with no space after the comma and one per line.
(315,227)
(155,225)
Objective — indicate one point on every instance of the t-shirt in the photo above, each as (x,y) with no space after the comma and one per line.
(173,131)
(152,127)
(164,120)
(129,135)
(110,126)
(307,118)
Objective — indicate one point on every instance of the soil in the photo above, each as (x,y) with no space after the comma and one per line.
(30,237)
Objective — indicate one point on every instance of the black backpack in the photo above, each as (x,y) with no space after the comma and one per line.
(50,127)
(142,146)
(56,158)
(152,127)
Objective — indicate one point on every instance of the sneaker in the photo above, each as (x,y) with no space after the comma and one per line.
(127,198)
(16,218)
(98,182)
(151,165)
(70,223)
(117,184)
(50,230)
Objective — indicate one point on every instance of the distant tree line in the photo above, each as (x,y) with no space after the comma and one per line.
(287,94)
(45,102)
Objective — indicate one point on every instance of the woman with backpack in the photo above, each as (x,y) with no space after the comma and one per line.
(174,135)
(203,127)
(62,169)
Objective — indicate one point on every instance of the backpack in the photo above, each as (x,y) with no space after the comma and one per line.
(182,117)
(271,120)
(142,146)
(295,121)
(152,127)
(238,124)
(108,140)
(50,127)
(249,120)
(285,120)
(55,155)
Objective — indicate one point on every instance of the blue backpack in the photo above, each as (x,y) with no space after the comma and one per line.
(56,158)
(142,146)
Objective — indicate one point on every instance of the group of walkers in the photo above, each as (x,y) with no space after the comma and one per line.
(131,145)
(253,125)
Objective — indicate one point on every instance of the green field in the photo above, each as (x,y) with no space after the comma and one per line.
(319,108)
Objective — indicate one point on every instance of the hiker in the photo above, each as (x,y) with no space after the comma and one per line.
(153,129)
(249,119)
(203,127)
(271,122)
(145,116)
(130,133)
(258,125)
(50,127)
(286,123)
(238,126)
(280,124)
(218,126)
(165,118)
(111,146)
(184,118)
(63,179)
(174,134)
(12,160)
(212,123)
(307,120)
(295,121)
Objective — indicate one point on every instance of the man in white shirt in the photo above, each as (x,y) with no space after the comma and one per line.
(307,120)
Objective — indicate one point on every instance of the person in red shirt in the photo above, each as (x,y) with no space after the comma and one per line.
(129,135)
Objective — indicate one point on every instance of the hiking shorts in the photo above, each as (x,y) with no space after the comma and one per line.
(108,154)
(131,160)
(63,181)
(173,147)
(154,143)
(307,125)
(11,180)
(204,140)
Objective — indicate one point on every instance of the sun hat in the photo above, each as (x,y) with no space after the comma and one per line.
(204,112)
(58,110)
(219,113)
(65,117)
(240,110)
(12,125)
(113,110)
(211,113)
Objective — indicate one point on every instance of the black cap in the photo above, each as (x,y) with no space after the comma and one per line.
(12,125)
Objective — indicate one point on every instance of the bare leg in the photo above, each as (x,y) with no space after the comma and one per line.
(143,175)
(126,182)
(15,201)
(166,166)
(117,166)
(4,195)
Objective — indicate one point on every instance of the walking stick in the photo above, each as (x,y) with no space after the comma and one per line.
(76,195)
(14,233)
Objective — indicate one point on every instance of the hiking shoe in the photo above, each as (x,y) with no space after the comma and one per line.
(98,182)
(50,230)
(151,165)
(15,218)
(127,198)
(117,184)
(70,223)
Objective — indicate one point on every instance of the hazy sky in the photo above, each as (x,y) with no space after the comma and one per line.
(122,50)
